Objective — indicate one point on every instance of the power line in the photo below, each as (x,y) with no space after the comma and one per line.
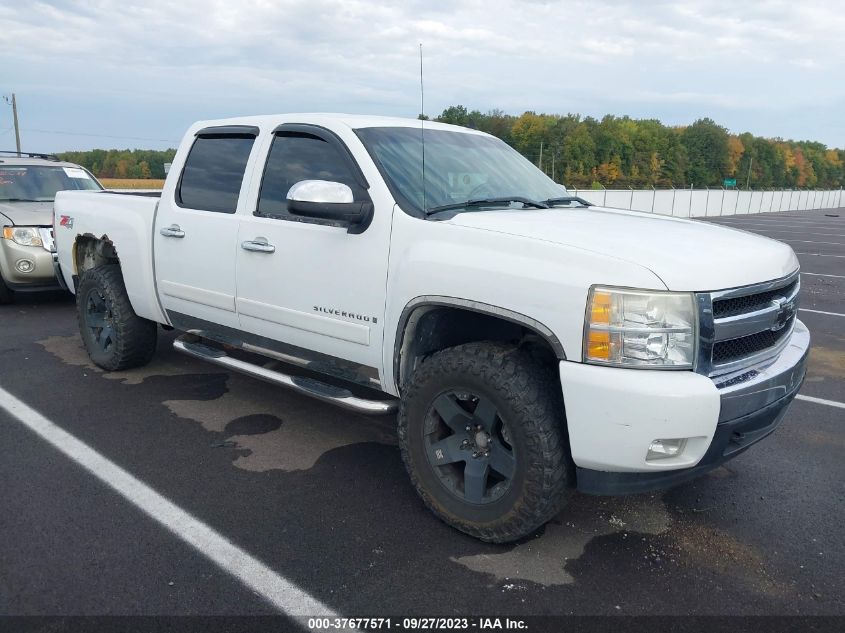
(127,138)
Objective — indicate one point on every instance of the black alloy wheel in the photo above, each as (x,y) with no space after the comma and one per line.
(99,319)
(468,447)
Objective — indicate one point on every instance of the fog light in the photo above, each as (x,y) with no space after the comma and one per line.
(25,265)
(662,449)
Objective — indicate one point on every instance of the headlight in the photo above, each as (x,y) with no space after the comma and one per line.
(633,328)
(23,235)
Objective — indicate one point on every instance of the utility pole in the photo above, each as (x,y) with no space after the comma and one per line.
(14,105)
(748,180)
(541,156)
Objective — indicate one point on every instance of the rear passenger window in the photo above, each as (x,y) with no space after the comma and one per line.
(213,173)
(297,156)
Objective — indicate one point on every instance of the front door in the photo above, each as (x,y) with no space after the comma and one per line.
(314,285)
(196,230)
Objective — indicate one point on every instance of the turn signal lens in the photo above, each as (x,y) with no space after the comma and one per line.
(598,345)
(600,308)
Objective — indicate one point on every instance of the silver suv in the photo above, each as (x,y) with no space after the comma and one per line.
(28,185)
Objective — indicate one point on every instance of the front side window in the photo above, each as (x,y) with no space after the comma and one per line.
(297,156)
(214,171)
(37,183)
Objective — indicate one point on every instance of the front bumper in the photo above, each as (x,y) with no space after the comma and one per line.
(614,414)
(42,275)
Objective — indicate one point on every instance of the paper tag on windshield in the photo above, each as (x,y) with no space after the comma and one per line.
(76,172)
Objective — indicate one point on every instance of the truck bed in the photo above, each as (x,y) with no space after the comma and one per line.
(126,220)
(147,193)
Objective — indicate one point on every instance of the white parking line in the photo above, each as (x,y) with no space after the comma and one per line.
(821,275)
(771,227)
(776,217)
(830,403)
(821,312)
(778,220)
(801,233)
(740,225)
(810,242)
(761,217)
(818,254)
(277,590)
(803,216)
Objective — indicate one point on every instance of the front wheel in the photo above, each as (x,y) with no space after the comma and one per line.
(115,337)
(482,433)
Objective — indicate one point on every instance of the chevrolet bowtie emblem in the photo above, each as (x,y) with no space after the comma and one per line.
(785,312)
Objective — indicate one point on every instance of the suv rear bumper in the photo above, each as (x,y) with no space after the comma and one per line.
(613,417)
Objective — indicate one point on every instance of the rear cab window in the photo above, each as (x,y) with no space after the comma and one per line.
(214,171)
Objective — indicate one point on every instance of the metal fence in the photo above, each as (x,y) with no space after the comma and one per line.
(690,203)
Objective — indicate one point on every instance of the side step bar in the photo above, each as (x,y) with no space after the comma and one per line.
(309,386)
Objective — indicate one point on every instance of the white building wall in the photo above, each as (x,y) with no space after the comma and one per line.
(695,203)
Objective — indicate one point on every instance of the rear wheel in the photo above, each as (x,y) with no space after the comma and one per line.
(483,438)
(115,337)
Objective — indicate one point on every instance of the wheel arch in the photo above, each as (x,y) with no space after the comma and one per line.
(430,323)
(89,252)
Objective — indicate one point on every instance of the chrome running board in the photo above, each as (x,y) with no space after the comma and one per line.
(308,386)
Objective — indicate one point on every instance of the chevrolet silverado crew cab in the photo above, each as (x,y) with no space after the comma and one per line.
(28,185)
(533,344)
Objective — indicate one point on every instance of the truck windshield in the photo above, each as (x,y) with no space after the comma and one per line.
(459,167)
(37,183)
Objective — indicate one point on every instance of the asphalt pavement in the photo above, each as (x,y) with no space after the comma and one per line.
(319,496)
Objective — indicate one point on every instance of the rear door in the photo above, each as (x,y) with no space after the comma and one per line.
(316,287)
(196,230)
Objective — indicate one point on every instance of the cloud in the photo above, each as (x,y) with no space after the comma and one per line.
(149,69)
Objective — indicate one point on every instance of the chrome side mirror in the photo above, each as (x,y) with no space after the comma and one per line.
(323,191)
(330,201)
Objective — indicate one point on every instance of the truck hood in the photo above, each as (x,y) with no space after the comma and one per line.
(26,213)
(687,255)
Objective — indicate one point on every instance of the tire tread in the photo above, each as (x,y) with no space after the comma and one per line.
(533,394)
(136,337)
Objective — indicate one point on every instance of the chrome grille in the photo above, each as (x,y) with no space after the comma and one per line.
(732,349)
(744,326)
(749,303)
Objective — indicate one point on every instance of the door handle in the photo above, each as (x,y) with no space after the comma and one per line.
(173,230)
(259,245)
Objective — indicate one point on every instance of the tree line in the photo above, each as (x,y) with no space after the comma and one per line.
(122,163)
(623,152)
(584,152)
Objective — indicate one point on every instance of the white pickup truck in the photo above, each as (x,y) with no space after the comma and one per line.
(533,344)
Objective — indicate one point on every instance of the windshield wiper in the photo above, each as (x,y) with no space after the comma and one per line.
(480,202)
(21,200)
(555,201)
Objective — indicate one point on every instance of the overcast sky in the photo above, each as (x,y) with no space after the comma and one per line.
(137,74)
